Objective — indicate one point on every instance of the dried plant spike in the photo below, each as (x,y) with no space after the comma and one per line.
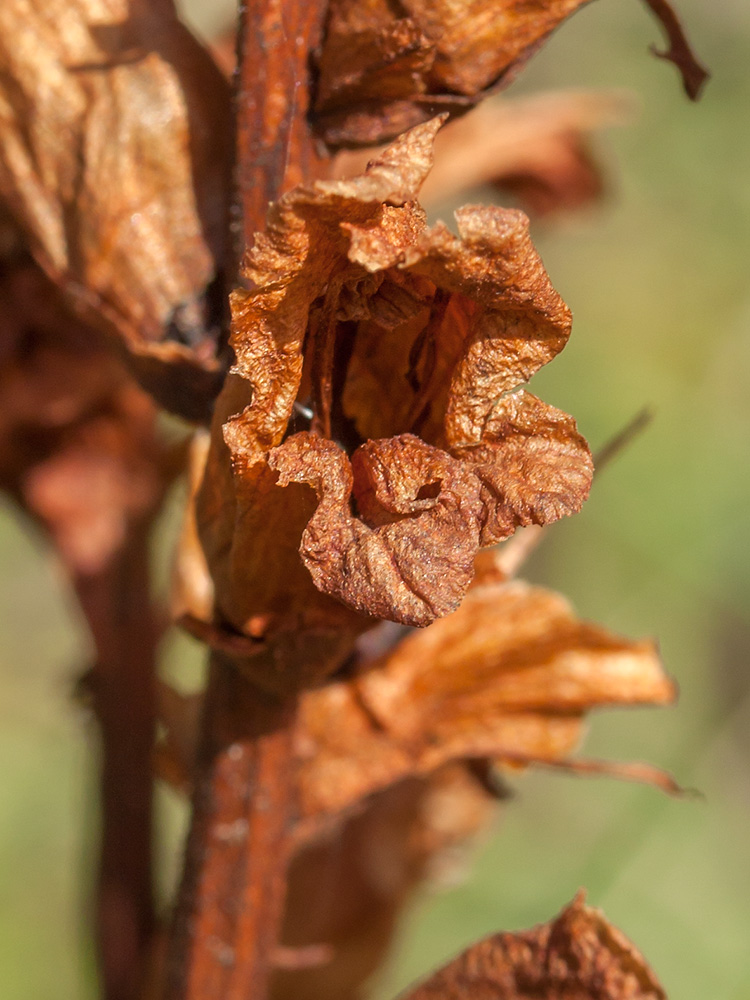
(578,954)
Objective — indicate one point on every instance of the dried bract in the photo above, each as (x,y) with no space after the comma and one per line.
(385,67)
(508,677)
(578,954)
(401,350)
(114,156)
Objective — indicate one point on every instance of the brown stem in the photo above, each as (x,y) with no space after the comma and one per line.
(274,143)
(117,606)
(231,900)
(232,896)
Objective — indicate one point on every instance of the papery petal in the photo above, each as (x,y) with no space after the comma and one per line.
(380,75)
(408,558)
(533,464)
(507,676)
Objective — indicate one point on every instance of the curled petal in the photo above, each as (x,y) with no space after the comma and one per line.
(533,464)
(409,557)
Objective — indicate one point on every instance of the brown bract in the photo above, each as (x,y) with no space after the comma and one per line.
(508,677)
(386,66)
(114,153)
(578,954)
(380,363)
(78,448)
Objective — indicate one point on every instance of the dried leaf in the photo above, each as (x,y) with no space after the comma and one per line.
(399,343)
(114,158)
(578,954)
(385,69)
(509,676)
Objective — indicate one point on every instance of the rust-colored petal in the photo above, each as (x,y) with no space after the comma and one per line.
(578,954)
(533,464)
(409,556)
(393,343)
(114,160)
(508,676)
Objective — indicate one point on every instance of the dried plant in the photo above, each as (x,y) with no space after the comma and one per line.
(375,668)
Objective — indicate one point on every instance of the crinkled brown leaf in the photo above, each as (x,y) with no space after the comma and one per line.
(578,955)
(403,341)
(509,676)
(114,158)
(385,67)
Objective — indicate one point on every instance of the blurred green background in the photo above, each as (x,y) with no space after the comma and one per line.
(659,283)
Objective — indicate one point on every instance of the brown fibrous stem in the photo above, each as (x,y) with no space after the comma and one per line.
(224,940)
(125,629)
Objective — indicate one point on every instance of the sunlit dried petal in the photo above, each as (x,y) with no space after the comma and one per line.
(509,675)
(394,344)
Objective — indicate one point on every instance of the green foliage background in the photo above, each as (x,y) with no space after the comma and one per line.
(658,281)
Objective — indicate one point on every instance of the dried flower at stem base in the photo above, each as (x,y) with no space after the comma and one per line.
(405,347)
(578,954)
(385,67)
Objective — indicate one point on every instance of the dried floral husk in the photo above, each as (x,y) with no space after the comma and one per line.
(114,162)
(508,677)
(578,954)
(410,344)
(535,148)
(385,67)
(348,887)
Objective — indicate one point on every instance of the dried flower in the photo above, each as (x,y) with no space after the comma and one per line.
(407,347)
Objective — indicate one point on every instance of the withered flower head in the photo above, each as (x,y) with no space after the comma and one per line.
(386,66)
(405,347)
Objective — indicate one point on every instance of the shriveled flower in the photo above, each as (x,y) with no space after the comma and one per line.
(397,353)
(385,67)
